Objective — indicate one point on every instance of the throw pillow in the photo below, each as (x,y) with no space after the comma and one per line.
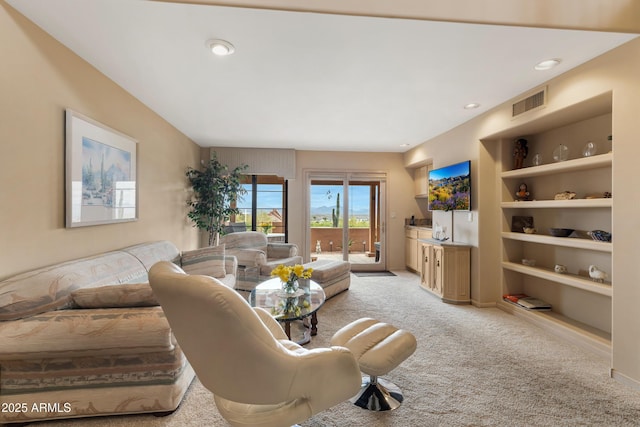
(207,261)
(125,295)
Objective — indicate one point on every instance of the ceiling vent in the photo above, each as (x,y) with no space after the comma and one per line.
(532,102)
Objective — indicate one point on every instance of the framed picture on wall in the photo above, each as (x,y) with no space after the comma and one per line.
(100,173)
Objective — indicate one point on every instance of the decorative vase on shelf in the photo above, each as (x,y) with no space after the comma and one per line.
(590,149)
(537,159)
(561,153)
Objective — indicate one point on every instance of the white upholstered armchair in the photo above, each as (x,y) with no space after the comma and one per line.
(252,249)
(241,354)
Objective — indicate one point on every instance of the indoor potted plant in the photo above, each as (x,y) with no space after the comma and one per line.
(215,188)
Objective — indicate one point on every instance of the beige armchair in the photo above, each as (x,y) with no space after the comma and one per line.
(252,249)
(241,354)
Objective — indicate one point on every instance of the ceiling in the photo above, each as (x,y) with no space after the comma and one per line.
(308,81)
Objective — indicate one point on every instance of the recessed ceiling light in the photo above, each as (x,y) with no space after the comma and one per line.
(547,64)
(405,145)
(220,47)
(471,106)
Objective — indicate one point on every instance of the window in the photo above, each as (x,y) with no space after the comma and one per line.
(264,207)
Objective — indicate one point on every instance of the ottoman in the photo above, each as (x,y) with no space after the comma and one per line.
(378,347)
(334,276)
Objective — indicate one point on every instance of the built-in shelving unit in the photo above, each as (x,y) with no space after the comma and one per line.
(581,307)
(583,163)
(562,279)
(544,204)
(568,242)
(579,333)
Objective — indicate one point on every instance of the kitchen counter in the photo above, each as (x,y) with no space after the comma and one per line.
(417,227)
(444,243)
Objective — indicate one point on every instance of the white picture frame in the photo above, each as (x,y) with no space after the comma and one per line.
(100,173)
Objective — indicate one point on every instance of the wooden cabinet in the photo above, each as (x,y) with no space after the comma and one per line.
(413,247)
(438,269)
(581,307)
(426,275)
(446,270)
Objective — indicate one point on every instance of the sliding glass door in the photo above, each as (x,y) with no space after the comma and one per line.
(346,218)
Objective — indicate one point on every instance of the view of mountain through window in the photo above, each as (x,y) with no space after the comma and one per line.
(327,203)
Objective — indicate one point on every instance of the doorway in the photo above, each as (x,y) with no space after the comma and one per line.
(345,218)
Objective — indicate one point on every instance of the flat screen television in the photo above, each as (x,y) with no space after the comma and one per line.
(450,188)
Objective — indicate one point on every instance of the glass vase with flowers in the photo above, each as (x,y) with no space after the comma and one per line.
(289,275)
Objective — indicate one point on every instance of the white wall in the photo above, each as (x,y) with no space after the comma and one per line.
(617,71)
(39,78)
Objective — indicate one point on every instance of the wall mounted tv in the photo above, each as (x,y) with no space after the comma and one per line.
(450,188)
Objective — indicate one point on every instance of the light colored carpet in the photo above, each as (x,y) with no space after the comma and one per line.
(473,367)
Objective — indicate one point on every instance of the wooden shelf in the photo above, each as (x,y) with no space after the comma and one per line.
(568,242)
(569,329)
(585,163)
(553,204)
(581,308)
(564,279)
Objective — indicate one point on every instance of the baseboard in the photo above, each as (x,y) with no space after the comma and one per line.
(483,304)
(622,378)
(570,330)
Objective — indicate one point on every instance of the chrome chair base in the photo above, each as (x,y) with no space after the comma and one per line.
(377,394)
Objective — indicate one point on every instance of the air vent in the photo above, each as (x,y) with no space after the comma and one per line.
(537,100)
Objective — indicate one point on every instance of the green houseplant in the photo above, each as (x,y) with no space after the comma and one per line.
(215,188)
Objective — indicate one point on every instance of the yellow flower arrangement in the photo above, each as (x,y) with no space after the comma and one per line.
(289,275)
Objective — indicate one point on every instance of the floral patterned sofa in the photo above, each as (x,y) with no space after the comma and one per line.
(87,337)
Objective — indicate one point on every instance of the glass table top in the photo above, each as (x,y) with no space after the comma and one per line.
(269,295)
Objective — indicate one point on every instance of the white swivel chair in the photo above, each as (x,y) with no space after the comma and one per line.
(241,354)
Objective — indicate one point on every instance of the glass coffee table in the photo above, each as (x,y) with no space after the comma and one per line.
(303,306)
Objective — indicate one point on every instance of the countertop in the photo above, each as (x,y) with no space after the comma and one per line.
(444,243)
(418,227)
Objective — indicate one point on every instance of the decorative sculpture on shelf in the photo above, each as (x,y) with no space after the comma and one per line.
(565,195)
(605,195)
(599,235)
(537,160)
(522,193)
(597,274)
(561,153)
(590,149)
(520,152)
(560,269)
